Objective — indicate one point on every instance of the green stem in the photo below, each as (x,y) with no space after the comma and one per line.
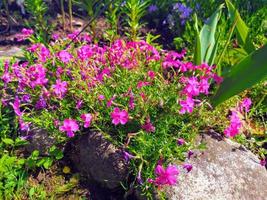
(225,47)
(258,104)
(70,14)
(63,13)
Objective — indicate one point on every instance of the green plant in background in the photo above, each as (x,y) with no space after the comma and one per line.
(63,14)
(247,73)
(113,14)
(91,7)
(135,10)
(70,14)
(206,45)
(38,10)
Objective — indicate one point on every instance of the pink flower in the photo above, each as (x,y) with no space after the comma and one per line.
(217,78)
(16,106)
(119,117)
(60,88)
(64,56)
(141,84)
(192,86)
(188,167)
(180,141)
(79,104)
(36,75)
(23,126)
(85,52)
(55,36)
(148,126)
(69,126)
(263,162)
(190,153)
(33,47)
(187,105)
(235,125)
(101,97)
(87,118)
(44,54)
(110,101)
(25,34)
(204,86)
(151,74)
(166,176)
(245,104)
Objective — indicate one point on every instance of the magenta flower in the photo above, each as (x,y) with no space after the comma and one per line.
(25,34)
(119,117)
(188,167)
(44,54)
(16,106)
(190,153)
(110,101)
(141,84)
(180,141)
(204,86)
(151,74)
(101,97)
(166,176)
(127,156)
(55,36)
(69,126)
(192,87)
(23,126)
(148,126)
(263,162)
(85,52)
(87,118)
(64,56)
(36,75)
(187,105)
(245,104)
(60,88)
(79,104)
(235,125)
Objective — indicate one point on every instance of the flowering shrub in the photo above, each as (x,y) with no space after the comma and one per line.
(142,97)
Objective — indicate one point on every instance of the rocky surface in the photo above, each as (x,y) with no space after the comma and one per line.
(7,52)
(40,140)
(224,171)
(98,160)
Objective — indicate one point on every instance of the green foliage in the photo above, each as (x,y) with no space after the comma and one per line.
(248,72)
(135,10)
(241,28)
(12,175)
(206,45)
(38,10)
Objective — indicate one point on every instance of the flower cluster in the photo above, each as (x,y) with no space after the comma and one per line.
(236,118)
(123,88)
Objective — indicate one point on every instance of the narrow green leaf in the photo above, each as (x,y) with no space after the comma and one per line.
(241,28)
(248,72)
(197,53)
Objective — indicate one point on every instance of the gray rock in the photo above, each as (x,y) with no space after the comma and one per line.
(98,160)
(40,140)
(224,171)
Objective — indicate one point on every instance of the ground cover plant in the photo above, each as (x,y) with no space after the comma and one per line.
(149,102)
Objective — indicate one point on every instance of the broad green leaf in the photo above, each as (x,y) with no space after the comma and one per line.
(241,28)
(248,72)
(207,35)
